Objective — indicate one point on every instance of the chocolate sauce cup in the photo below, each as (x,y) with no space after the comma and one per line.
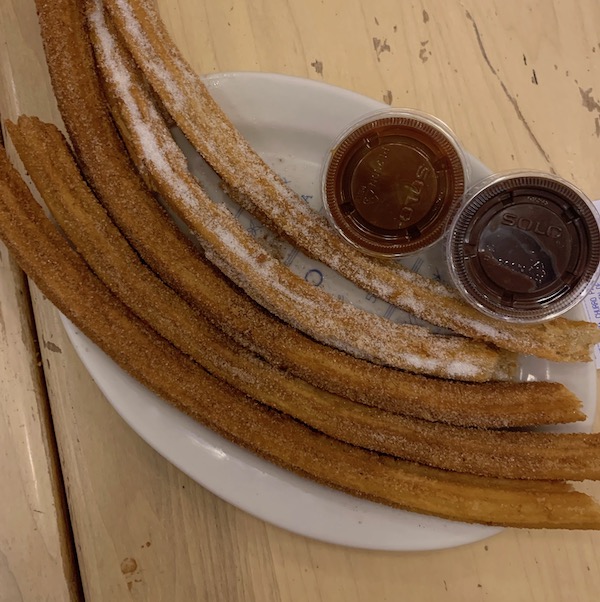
(393,181)
(524,246)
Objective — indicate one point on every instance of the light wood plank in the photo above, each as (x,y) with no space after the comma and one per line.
(36,559)
(36,556)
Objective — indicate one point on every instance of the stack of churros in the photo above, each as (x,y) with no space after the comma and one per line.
(387,412)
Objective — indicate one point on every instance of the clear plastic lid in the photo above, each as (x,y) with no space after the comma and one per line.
(524,246)
(393,181)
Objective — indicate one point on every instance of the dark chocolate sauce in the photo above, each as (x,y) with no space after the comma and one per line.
(525,247)
(392,185)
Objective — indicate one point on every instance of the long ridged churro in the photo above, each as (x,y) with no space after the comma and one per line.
(261,191)
(245,261)
(67,281)
(161,245)
(46,157)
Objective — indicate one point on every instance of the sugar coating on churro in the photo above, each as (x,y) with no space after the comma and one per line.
(259,189)
(266,279)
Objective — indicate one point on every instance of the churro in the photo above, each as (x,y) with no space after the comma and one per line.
(255,186)
(46,157)
(266,279)
(161,245)
(68,282)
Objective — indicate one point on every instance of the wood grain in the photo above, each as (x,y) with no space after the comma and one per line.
(36,554)
(34,529)
(515,80)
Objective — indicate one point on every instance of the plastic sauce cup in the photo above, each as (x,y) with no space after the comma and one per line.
(524,246)
(393,181)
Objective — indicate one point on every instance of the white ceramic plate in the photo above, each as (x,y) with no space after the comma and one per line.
(292,122)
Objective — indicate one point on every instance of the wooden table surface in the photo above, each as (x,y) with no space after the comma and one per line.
(87,509)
